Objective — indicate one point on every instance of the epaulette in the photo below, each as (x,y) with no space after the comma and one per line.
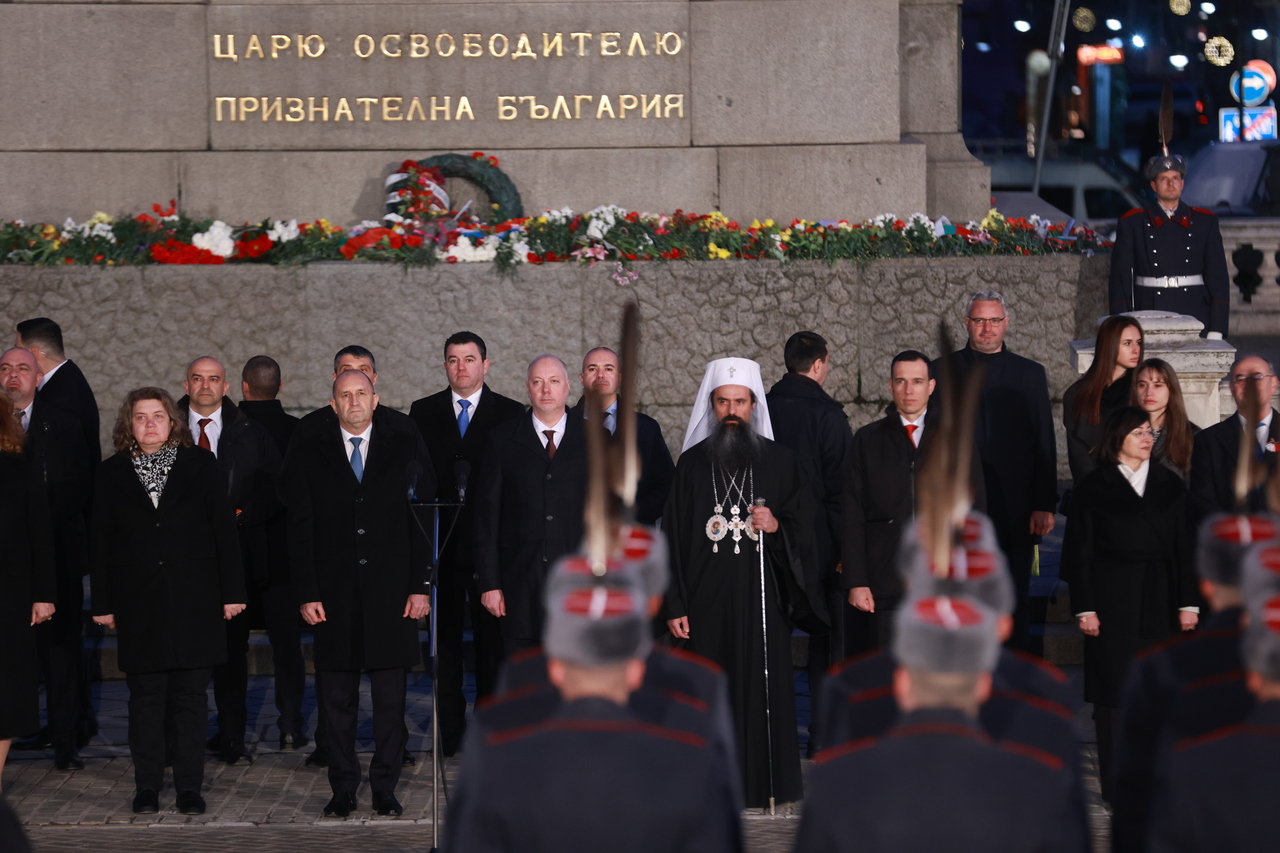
(685,699)
(1039,662)
(608,726)
(839,666)
(690,657)
(1036,702)
(869,694)
(849,746)
(1133,212)
(1048,759)
(1214,680)
(1202,210)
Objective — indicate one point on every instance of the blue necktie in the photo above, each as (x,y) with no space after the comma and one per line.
(357,464)
(611,422)
(464,420)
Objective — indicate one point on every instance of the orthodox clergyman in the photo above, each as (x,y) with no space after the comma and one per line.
(738,502)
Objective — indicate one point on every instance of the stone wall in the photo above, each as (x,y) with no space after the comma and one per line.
(142,325)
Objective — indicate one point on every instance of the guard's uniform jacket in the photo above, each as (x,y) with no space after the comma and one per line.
(1182,688)
(936,781)
(592,775)
(1150,248)
(1219,791)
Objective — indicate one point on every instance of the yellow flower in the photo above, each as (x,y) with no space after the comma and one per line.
(755,223)
(784,235)
(57,244)
(542,220)
(716,253)
(48,232)
(991,220)
(768,223)
(99,217)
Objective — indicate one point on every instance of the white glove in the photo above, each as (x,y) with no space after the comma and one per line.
(1214,336)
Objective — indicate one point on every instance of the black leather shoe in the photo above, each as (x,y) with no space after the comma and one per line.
(319,757)
(38,741)
(146,801)
(408,760)
(289,740)
(190,802)
(214,744)
(68,761)
(341,805)
(387,804)
(449,746)
(234,755)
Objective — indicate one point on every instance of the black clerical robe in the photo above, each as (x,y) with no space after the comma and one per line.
(719,591)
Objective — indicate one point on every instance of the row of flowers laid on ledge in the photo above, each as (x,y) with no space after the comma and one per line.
(607,233)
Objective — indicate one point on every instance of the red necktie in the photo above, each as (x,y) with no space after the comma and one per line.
(204,439)
(911,432)
(551,442)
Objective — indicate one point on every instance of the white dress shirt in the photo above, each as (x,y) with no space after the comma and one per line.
(559,428)
(474,400)
(364,445)
(918,423)
(24,415)
(1264,427)
(45,379)
(610,417)
(213,429)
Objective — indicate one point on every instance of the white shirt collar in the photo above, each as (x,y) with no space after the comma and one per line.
(474,399)
(194,418)
(1137,479)
(918,423)
(539,427)
(347,436)
(45,379)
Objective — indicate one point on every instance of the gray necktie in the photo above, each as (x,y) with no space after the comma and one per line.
(357,464)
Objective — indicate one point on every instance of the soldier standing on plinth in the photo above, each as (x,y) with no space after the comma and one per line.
(1168,256)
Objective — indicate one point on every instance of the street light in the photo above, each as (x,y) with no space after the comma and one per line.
(1022,26)
(1208,8)
(1260,34)
(1178,61)
(1113,24)
(1139,41)
(983,47)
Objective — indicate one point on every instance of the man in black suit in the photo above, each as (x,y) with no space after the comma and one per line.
(457,421)
(600,371)
(56,448)
(250,461)
(260,383)
(1213,461)
(360,566)
(63,385)
(1016,444)
(529,503)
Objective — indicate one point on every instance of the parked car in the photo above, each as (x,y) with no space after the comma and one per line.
(1090,192)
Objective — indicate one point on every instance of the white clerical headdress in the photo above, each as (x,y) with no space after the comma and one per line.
(727,371)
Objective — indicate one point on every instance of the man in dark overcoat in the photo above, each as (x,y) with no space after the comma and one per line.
(1018,451)
(1169,257)
(63,384)
(55,446)
(360,568)
(600,371)
(529,503)
(250,461)
(455,423)
(1217,447)
(260,383)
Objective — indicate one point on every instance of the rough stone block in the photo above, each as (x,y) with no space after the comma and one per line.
(94,78)
(759,66)
(958,184)
(50,186)
(929,49)
(359,60)
(853,182)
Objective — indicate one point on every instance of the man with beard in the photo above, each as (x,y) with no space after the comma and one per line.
(732,484)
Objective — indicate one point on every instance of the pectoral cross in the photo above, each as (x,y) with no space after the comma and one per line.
(737,526)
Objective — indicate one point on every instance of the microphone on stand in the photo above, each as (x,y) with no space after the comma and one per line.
(461,471)
(412,471)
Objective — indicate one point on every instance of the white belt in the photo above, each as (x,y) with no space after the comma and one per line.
(1168,280)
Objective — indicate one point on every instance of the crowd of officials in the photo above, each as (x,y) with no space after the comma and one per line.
(213,517)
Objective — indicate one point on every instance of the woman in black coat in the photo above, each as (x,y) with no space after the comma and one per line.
(166,573)
(1104,388)
(27,585)
(1126,556)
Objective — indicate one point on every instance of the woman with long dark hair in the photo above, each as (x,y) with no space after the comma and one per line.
(1157,392)
(166,574)
(1104,388)
(27,583)
(1126,557)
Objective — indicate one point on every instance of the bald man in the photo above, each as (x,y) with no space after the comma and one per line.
(360,567)
(529,499)
(250,460)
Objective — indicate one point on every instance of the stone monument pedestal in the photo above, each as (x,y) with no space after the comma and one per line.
(1201,364)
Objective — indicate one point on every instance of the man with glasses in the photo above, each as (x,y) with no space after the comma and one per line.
(1169,257)
(1014,432)
(1213,461)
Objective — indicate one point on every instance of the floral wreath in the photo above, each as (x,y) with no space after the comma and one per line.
(477,169)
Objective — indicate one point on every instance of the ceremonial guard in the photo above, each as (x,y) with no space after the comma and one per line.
(1168,256)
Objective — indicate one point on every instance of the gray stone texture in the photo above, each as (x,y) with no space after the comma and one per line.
(102,78)
(133,326)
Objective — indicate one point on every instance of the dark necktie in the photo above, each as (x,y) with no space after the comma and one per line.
(204,439)
(464,420)
(551,442)
(911,433)
(21,415)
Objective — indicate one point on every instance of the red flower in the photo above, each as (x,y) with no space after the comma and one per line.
(173,206)
(451,260)
(477,155)
(145,219)
(175,252)
(534,258)
(671,254)
(97,259)
(630,256)
(370,239)
(67,261)
(413,241)
(255,248)
(409,166)
(493,161)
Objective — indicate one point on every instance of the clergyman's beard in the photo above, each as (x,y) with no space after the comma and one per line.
(733,448)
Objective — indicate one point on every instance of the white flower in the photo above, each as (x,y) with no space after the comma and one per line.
(283,232)
(884,220)
(602,219)
(920,219)
(20,223)
(559,216)
(393,217)
(464,251)
(217,239)
(364,226)
(521,249)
